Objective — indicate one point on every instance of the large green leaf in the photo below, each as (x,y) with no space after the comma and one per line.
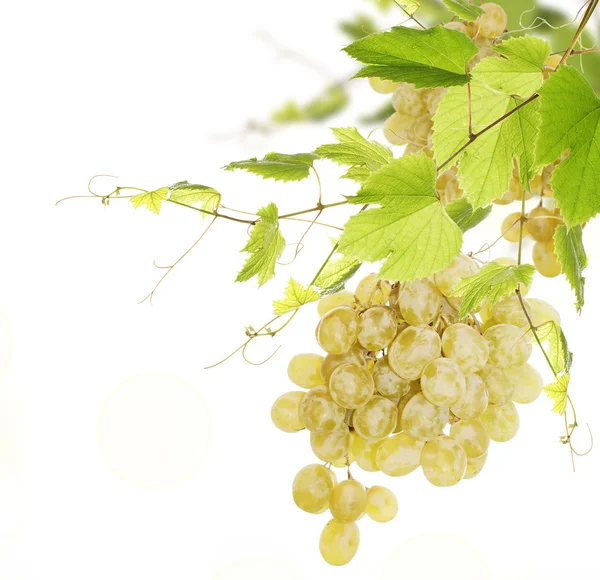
(568,247)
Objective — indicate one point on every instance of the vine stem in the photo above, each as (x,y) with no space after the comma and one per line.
(584,20)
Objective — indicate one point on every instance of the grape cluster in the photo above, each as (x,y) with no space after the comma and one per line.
(404,383)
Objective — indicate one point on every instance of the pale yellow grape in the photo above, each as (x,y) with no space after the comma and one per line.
(432,98)
(339,542)
(508,345)
(422,420)
(337,331)
(473,437)
(387,382)
(304,370)
(372,291)
(545,260)
(382,505)
(351,386)
(377,328)
(348,500)
(397,128)
(376,419)
(461,267)
(419,301)
(507,261)
(511,227)
(382,86)
(312,488)
(486,312)
(510,311)
(420,130)
(542,224)
(513,193)
(551,63)
(341,298)
(413,389)
(499,387)
(466,347)
(542,312)
(488,324)
(399,455)
(493,22)
(475,399)
(412,349)
(444,461)
(527,381)
(442,382)
(364,452)
(285,412)
(406,99)
(357,355)
(319,412)
(456,25)
(475,465)
(501,421)
(331,447)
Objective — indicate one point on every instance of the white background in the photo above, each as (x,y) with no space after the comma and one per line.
(157,92)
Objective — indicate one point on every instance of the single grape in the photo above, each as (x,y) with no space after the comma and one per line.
(422,420)
(382,505)
(331,447)
(364,452)
(412,349)
(499,387)
(444,461)
(509,310)
(372,291)
(351,386)
(542,224)
(319,412)
(508,345)
(341,298)
(406,99)
(304,370)
(357,355)
(542,312)
(475,399)
(507,261)
(376,419)
(382,86)
(473,437)
(387,382)
(377,328)
(399,455)
(348,500)
(465,346)
(442,382)
(461,267)
(339,542)
(545,260)
(337,331)
(419,301)
(488,324)
(511,227)
(432,98)
(475,465)
(397,128)
(493,22)
(501,421)
(413,389)
(285,412)
(527,381)
(312,488)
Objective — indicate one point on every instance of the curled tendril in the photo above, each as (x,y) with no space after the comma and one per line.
(590,447)
(299,248)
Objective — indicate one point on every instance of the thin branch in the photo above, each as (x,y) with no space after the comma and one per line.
(585,19)
(213,213)
(411,16)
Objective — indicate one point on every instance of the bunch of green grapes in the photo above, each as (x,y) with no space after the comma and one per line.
(403,384)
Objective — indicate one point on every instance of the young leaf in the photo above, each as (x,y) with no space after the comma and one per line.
(411,230)
(492,283)
(557,348)
(568,246)
(277,166)
(463,9)
(436,57)
(358,173)
(191,194)
(558,392)
(264,246)
(570,120)
(463,214)
(336,273)
(296,295)
(151,200)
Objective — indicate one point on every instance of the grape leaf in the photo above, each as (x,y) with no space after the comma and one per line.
(411,230)
(463,214)
(492,283)
(296,295)
(436,57)
(336,273)
(289,112)
(557,348)
(463,9)
(568,247)
(265,245)
(570,120)
(358,173)
(359,27)
(191,194)
(330,102)
(558,392)
(277,166)
(151,200)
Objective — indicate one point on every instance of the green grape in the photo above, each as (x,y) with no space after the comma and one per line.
(372,291)
(527,381)
(339,542)
(466,347)
(406,99)
(474,466)
(413,388)
(475,399)
(422,420)
(412,349)
(319,412)
(337,331)
(387,382)
(542,312)
(508,345)
(397,128)
(304,370)
(461,267)
(419,301)
(399,455)
(501,422)
(382,86)
(510,311)
(511,227)
(331,447)
(377,328)
(493,22)
(341,298)
(285,412)
(351,386)
(356,355)
(473,437)
(382,505)
(444,461)
(499,387)
(507,261)
(312,488)
(376,419)
(364,452)
(545,260)
(443,383)
(348,500)
(542,224)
